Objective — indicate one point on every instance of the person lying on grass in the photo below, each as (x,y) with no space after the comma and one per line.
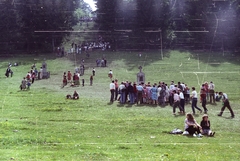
(205,124)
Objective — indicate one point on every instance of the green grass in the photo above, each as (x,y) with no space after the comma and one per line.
(40,124)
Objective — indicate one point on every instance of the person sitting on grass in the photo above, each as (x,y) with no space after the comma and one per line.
(75,95)
(205,124)
(68,96)
(191,126)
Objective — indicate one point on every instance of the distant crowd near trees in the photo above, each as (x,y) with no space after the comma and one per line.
(128,24)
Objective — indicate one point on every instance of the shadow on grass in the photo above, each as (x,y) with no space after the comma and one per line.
(214,59)
(109,103)
(129,105)
(120,105)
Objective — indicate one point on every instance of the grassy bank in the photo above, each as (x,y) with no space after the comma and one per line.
(40,124)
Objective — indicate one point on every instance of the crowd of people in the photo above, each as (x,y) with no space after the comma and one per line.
(85,47)
(30,77)
(75,78)
(176,95)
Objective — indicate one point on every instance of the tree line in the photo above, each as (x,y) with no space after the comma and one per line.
(23,20)
(194,24)
(128,24)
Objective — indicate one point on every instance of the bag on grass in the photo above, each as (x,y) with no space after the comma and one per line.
(176,131)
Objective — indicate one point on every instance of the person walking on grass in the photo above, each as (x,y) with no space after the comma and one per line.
(110,74)
(226,103)
(23,85)
(203,97)
(91,80)
(83,82)
(112,91)
(194,101)
(93,71)
(176,103)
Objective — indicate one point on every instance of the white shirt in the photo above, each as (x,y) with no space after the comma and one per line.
(112,86)
(171,86)
(187,121)
(211,86)
(158,91)
(183,85)
(194,94)
(176,97)
(121,86)
(181,95)
(224,96)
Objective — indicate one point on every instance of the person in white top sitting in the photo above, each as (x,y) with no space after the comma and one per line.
(191,126)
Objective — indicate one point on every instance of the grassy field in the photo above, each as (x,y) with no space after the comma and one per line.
(40,124)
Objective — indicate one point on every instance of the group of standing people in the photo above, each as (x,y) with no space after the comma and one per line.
(177,95)
(30,77)
(72,79)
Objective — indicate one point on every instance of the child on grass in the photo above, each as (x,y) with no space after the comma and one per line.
(205,124)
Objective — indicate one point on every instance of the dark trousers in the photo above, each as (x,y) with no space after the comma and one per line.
(226,104)
(204,102)
(112,95)
(139,97)
(175,105)
(126,96)
(122,97)
(116,93)
(171,100)
(212,96)
(161,101)
(192,130)
(194,105)
(182,104)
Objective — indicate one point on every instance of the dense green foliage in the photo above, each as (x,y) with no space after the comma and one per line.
(150,24)
(40,124)
(20,19)
(211,25)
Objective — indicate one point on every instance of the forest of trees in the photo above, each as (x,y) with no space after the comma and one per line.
(22,19)
(191,24)
(129,24)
